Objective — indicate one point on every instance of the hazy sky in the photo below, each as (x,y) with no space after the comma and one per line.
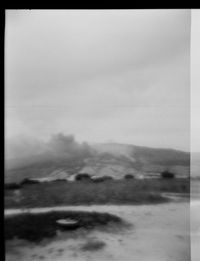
(195,81)
(106,75)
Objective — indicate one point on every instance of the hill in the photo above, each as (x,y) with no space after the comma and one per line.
(195,165)
(105,159)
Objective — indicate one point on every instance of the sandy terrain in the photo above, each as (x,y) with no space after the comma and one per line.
(195,219)
(159,233)
(195,229)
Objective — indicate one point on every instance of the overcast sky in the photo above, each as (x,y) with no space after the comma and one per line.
(106,75)
(195,81)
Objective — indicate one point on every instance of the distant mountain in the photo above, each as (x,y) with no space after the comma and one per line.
(195,165)
(146,155)
(107,159)
(120,159)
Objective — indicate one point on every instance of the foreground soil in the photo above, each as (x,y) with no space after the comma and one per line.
(158,233)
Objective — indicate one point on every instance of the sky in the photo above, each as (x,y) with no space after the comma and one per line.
(195,81)
(101,75)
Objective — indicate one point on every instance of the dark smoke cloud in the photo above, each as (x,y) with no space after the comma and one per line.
(23,151)
(64,146)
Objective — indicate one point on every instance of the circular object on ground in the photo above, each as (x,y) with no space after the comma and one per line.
(67,223)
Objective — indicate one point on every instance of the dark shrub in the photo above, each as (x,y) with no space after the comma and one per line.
(12,186)
(168,175)
(29,181)
(60,180)
(102,179)
(129,176)
(82,176)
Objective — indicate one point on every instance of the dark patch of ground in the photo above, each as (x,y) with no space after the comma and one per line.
(36,227)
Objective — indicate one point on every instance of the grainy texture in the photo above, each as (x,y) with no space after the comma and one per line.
(86,192)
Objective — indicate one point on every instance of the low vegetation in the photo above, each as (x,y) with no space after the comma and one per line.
(167,175)
(102,179)
(83,176)
(129,176)
(12,186)
(36,227)
(28,181)
(124,191)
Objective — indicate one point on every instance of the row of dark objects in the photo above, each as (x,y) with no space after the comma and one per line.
(79,177)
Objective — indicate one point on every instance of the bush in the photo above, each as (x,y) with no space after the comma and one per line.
(167,174)
(82,176)
(29,181)
(129,176)
(102,179)
(59,180)
(12,186)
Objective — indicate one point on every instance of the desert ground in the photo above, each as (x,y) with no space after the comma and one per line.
(159,232)
(195,220)
(195,229)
